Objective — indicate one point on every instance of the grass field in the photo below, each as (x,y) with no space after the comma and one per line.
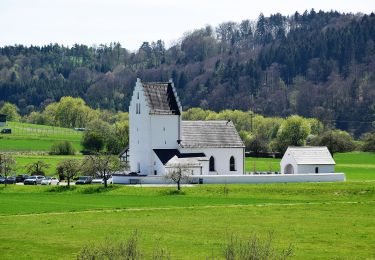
(31,137)
(320,220)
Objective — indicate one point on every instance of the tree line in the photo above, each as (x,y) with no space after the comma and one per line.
(314,64)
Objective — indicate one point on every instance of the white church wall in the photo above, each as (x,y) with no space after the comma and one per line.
(222,157)
(310,168)
(165,131)
(139,132)
(287,159)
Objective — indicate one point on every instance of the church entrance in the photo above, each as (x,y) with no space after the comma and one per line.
(289,169)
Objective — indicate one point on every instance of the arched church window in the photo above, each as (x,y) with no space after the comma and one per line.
(232,164)
(212,164)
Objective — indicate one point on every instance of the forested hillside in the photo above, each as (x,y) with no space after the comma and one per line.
(315,64)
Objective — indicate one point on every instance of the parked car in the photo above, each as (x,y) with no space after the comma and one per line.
(2,180)
(33,180)
(10,180)
(84,180)
(101,180)
(21,177)
(6,131)
(50,181)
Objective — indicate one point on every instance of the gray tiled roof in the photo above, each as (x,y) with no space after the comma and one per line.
(201,134)
(311,155)
(161,98)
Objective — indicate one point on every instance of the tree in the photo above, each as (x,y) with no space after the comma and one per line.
(68,169)
(337,141)
(293,132)
(178,173)
(102,165)
(11,111)
(37,168)
(369,142)
(7,164)
(93,141)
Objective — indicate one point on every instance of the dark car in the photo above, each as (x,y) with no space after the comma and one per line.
(84,180)
(2,180)
(6,131)
(21,177)
(33,180)
(10,180)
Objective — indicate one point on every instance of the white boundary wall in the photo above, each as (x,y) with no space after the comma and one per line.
(228,179)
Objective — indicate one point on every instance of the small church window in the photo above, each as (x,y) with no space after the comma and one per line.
(316,169)
(155,172)
(137,95)
(139,167)
(165,141)
(163,128)
(232,164)
(212,164)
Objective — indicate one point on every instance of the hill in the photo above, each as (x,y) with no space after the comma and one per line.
(315,64)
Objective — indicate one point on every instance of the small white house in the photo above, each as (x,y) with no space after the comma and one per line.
(302,160)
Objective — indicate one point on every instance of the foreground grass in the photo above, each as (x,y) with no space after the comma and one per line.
(31,137)
(321,220)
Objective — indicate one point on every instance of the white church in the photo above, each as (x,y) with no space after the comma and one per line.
(159,138)
(211,151)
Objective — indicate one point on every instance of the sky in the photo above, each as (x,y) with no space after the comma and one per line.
(94,22)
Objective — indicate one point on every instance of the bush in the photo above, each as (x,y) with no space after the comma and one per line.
(93,141)
(369,142)
(337,141)
(62,148)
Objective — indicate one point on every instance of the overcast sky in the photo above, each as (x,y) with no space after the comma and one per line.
(90,22)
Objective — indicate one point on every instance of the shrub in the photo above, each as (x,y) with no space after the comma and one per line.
(62,148)
(369,142)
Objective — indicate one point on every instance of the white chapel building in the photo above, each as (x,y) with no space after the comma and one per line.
(159,138)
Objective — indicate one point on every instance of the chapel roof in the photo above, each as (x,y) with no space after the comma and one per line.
(311,155)
(209,134)
(161,98)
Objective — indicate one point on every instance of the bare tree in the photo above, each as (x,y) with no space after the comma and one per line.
(102,165)
(68,169)
(178,172)
(37,168)
(7,164)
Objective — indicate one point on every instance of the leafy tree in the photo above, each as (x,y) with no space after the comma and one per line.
(337,141)
(11,111)
(369,142)
(37,168)
(93,141)
(68,169)
(293,132)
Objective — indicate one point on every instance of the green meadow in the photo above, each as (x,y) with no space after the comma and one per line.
(319,220)
(30,137)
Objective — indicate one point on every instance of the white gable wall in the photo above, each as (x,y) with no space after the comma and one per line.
(139,132)
(222,157)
